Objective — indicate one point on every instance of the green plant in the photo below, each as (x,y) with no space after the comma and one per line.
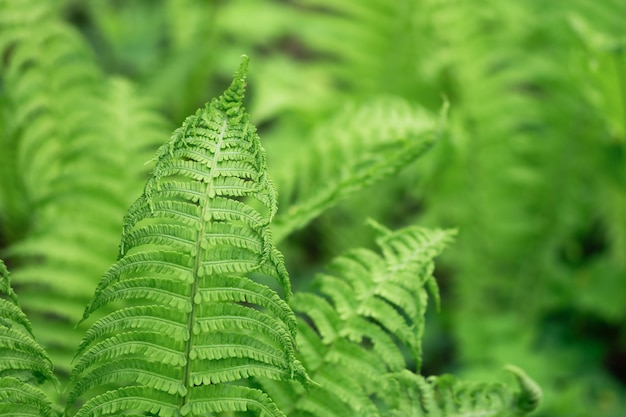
(529,164)
(69,133)
(185,331)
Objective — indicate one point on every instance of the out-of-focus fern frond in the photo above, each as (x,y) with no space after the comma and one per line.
(603,61)
(47,99)
(412,395)
(374,46)
(76,143)
(23,362)
(368,314)
(201,225)
(539,167)
(360,146)
(39,90)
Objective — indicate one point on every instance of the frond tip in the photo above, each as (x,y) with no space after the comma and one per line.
(202,327)
(529,398)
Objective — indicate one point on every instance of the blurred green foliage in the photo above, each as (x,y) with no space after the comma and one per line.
(531,170)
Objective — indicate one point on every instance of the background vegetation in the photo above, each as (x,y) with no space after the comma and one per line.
(531,169)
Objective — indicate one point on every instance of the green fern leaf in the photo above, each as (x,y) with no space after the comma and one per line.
(160,319)
(202,327)
(360,146)
(23,362)
(19,399)
(219,398)
(67,169)
(445,396)
(141,400)
(369,310)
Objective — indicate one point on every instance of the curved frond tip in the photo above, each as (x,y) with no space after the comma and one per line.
(529,398)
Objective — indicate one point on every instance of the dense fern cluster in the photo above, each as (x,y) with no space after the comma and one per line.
(531,171)
(196,316)
(69,133)
(185,332)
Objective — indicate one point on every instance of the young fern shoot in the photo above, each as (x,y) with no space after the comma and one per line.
(198,327)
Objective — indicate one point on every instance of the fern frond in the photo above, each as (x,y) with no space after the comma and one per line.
(369,311)
(19,399)
(23,362)
(445,396)
(189,242)
(71,169)
(7,291)
(360,146)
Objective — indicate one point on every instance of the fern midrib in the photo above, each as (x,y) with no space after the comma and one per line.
(210,193)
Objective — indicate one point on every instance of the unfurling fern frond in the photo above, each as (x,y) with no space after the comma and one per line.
(369,313)
(23,362)
(412,395)
(199,326)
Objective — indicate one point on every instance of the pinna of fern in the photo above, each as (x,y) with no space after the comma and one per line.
(23,362)
(198,327)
